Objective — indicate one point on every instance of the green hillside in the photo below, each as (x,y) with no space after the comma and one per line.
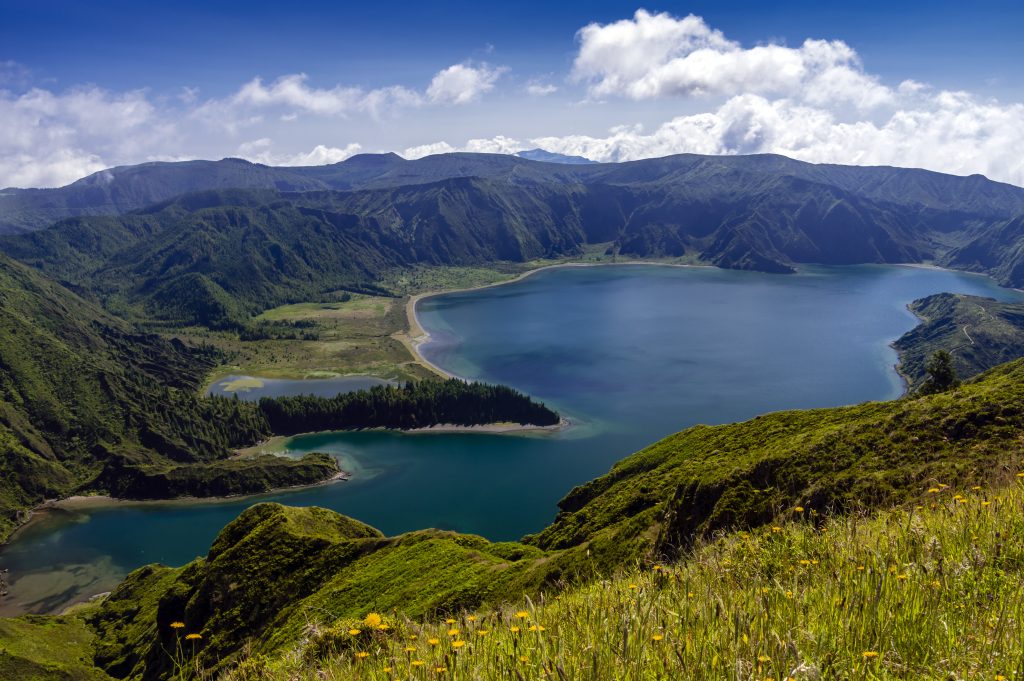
(275,569)
(87,403)
(979,333)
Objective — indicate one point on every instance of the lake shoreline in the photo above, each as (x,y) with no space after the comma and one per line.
(417,336)
(77,502)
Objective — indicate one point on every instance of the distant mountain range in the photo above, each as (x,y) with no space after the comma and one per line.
(551,157)
(211,243)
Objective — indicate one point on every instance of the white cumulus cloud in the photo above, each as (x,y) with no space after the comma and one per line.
(658,55)
(462,83)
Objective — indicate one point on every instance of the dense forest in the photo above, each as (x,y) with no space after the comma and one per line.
(413,405)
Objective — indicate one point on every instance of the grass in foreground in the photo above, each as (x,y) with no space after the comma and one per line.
(934,591)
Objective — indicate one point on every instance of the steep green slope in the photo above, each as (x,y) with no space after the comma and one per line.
(275,568)
(85,401)
(34,648)
(979,333)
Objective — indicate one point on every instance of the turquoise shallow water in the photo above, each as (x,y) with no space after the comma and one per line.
(629,353)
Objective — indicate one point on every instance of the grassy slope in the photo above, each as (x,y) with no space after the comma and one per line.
(979,333)
(668,496)
(48,649)
(933,592)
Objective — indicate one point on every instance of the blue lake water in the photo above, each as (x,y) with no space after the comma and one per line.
(628,353)
(253,388)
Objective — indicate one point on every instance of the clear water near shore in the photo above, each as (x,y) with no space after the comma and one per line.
(629,353)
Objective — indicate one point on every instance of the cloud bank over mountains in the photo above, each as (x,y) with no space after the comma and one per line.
(815,102)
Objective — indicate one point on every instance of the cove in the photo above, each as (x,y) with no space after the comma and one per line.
(629,353)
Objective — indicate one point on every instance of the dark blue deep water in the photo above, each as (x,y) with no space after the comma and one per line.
(628,353)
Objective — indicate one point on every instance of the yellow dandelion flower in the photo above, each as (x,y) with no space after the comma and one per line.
(1000,677)
(798,509)
(657,568)
(384,627)
(471,618)
(410,649)
(533,627)
(453,632)
(514,630)
(869,654)
(177,625)
(976,488)
(482,632)
(933,490)
(633,587)
(193,637)
(449,621)
(540,627)
(417,663)
(657,637)
(522,614)
(458,644)
(805,562)
(524,658)
(763,658)
(986,503)
(1020,475)
(789,594)
(776,529)
(413,637)
(362,654)
(373,620)
(433,641)
(440,670)
(387,670)
(354,632)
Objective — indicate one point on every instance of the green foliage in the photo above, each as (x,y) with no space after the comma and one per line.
(941,375)
(414,405)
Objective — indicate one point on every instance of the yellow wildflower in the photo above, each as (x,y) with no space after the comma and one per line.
(417,663)
(482,632)
(440,670)
(193,637)
(362,654)
(933,490)
(524,658)
(387,670)
(776,529)
(410,649)
(373,620)
(514,630)
(763,658)
(433,641)
(453,632)
(354,632)
(522,614)
(657,637)
(449,621)
(869,654)
(798,509)
(633,587)
(471,618)
(458,644)
(177,625)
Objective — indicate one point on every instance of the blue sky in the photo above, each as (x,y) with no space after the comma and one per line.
(86,85)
